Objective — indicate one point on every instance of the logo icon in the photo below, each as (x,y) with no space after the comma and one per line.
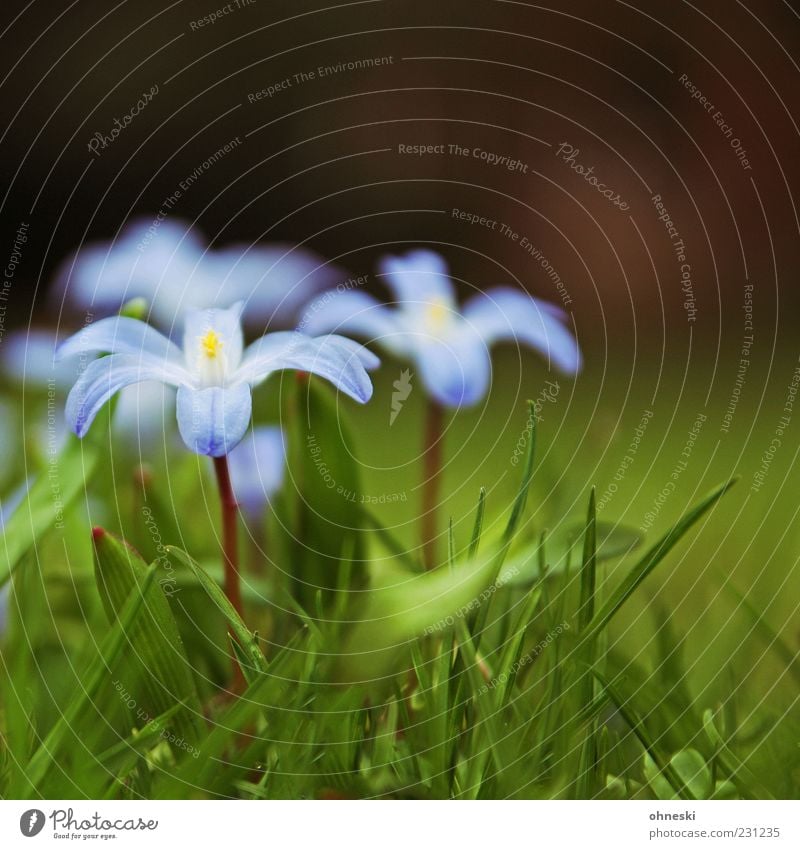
(31,822)
(402,389)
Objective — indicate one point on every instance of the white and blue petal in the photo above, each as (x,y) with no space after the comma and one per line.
(257,467)
(29,357)
(456,368)
(167,263)
(121,335)
(418,279)
(274,281)
(213,420)
(369,360)
(507,314)
(356,313)
(335,358)
(149,258)
(103,378)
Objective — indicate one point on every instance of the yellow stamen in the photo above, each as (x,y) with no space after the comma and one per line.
(211,344)
(437,313)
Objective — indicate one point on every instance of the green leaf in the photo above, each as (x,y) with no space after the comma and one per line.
(401,606)
(157,659)
(247,640)
(612,540)
(111,649)
(690,767)
(741,775)
(122,757)
(50,496)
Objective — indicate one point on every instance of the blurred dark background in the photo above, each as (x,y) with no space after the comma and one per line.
(318,161)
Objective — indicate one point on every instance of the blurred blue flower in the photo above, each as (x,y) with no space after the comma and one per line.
(168,264)
(29,359)
(213,374)
(28,356)
(449,346)
(257,465)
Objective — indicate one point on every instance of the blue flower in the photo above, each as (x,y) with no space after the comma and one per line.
(449,346)
(169,265)
(257,465)
(213,374)
(28,358)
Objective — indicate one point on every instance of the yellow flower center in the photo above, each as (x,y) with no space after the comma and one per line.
(211,345)
(437,314)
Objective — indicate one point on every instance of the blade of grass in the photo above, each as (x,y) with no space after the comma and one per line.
(771,637)
(646,565)
(243,634)
(637,727)
(110,651)
(157,656)
(122,757)
(585,689)
(739,773)
(478,528)
(478,625)
(39,511)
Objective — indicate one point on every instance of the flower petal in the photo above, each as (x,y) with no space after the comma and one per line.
(167,263)
(355,313)
(418,279)
(213,420)
(153,259)
(369,360)
(508,314)
(227,324)
(456,369)
(28,356)
(335,358)
(121,335)
(274,281)
(257,466)
(100,380)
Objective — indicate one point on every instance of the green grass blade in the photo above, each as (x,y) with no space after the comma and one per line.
(513,647)
(393,546)
(243,634)
(527,478)
(650,560)
(40,510)
(122,757)
(637,727)
(586,607)
(588,568)
(771,637)
(478,624)
(739,773)
(478,528)
(110,652)
(157,657)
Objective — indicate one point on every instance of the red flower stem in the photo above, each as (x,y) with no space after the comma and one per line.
(230,548)
(432,464)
